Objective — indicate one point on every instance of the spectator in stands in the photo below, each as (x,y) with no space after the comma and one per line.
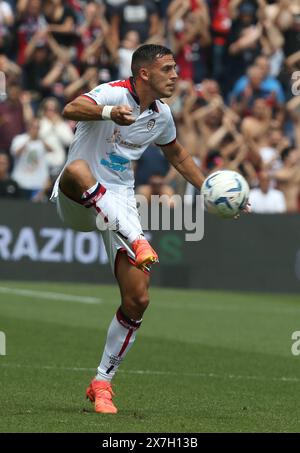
(84,84)
(30,169)
(207,120)
(56,132)
(189,37)
(96,46)
(30,21)
(243,40)
(93,31)
(8,187)
(269,85)
(244,100)
(61,21)
(6,23)
(257,125)
(216,42)
(184,101)
(265,199)
(293,109)
(288,178)
(152,175)
(15,113)
(271,151)
(112,7)
(48,66)
(220,28)
(288,20)
(272,40)
(11,70)
(62,71)
(37,64)
(256,129)
(129,44)
(139,15)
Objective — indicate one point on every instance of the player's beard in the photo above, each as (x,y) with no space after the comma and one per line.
(161,93)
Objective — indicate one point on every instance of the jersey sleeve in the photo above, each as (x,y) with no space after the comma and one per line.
(104,95)
(168,135)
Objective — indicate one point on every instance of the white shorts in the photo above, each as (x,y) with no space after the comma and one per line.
(80,218)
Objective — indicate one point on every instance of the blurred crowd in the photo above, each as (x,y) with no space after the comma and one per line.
(236,105)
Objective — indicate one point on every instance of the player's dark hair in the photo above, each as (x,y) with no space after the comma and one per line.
(147,54)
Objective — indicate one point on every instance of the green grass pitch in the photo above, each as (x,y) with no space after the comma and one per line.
(203,361)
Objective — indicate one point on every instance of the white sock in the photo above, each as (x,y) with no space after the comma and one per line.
(120,337)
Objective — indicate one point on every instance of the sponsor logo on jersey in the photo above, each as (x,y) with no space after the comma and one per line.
(115,162)
(116,138)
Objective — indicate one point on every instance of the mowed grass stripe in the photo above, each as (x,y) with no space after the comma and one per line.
(246,327)
(49,295)
(175,379)
(155,373)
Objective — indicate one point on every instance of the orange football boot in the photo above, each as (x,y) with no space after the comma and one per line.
(144,253)
(101,393)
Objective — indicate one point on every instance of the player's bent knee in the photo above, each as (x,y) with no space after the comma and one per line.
(142,301)
(76,179)
(76,167)
(139,301)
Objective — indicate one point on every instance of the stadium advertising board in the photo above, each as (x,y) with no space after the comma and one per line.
(260,253)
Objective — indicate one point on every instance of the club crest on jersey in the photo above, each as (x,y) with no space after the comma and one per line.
(150,124)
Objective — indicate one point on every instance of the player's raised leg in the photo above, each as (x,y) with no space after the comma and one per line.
(78,183)
(122,331)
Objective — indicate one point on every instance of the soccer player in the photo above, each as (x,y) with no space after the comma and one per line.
(116,123)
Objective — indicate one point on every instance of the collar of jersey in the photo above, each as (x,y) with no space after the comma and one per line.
(131,88)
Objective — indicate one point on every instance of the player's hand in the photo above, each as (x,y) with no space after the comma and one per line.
(122,115)
(246,209)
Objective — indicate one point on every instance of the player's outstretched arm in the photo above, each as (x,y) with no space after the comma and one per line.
(83,109)
(184,163)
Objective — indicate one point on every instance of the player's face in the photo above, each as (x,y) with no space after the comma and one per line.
(163,76)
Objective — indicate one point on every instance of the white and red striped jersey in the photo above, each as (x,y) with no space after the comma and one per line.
(109,148)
